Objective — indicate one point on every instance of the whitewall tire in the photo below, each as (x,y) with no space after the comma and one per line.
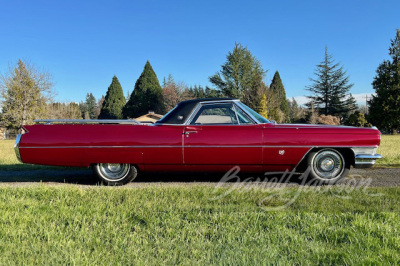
(115,174)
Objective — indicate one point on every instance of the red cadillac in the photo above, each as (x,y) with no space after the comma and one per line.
(204,135)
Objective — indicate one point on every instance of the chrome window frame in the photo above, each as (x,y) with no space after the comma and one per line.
(201,104)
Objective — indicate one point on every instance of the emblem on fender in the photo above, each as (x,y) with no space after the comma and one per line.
(281,152)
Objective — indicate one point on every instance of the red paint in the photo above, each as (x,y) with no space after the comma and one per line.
(167,147)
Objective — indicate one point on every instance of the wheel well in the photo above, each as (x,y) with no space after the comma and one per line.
(347,153)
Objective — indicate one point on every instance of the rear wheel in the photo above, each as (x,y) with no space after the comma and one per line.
(115,174)
(327,166)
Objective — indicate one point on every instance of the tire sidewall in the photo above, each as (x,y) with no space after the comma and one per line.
(131,175)
(316,179)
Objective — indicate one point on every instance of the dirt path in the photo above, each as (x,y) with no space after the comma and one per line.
(375,177)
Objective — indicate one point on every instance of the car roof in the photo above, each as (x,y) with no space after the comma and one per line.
(206,100)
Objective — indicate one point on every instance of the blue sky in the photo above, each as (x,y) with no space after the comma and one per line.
(84,43)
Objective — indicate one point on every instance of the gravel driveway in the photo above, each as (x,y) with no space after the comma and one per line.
(375,177)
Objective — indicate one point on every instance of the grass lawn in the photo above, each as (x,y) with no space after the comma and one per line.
(390,150)
(181,224)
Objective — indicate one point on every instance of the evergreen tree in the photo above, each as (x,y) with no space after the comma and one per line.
(279,90)
(113,102)
(91,106)
(352,106)
(241,77)
(357,119)
(146,96)
(273,107)
(296,113)
(384,107)
(24,91)
(83,110)
(330,88)
(211,93)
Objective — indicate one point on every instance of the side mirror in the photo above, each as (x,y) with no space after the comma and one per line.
(273,122)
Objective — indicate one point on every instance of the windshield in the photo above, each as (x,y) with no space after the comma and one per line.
(256,115)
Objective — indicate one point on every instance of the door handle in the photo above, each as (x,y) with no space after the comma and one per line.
(188,132)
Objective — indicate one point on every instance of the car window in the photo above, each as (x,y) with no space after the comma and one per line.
(244,119)
(222,114)
(256,115)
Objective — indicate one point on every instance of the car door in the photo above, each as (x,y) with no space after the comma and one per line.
(218,136)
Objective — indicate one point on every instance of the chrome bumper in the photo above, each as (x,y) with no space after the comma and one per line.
(16,147)
(366,160)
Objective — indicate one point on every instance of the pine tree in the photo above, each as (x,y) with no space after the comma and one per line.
(295,112)
(277,87)
(113,102)
(24,91)
(241,77)
(384,107)
(91,106)
(330,88)
(146,96)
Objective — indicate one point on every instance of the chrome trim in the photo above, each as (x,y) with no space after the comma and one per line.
(16,147)
(180,146)
(97,147)
(371,157)
(233,102)
(194,112)
(366,160)
(255,121)
(249,114)
(199,104)
(86,121)
(236,113)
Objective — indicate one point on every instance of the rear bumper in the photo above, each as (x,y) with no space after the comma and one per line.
(16,147)
(366,160)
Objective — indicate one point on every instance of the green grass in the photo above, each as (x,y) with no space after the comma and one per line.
(8,160)
(181,225)
(390,150)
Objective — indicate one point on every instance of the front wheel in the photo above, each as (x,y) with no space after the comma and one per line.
(115,174)
(327,166)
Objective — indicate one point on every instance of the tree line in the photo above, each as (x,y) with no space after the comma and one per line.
(26,94)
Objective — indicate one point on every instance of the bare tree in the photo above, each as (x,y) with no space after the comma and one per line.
(24,94)
(63,111)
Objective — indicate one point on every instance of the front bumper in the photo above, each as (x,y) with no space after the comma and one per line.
(366,160)
(16,147)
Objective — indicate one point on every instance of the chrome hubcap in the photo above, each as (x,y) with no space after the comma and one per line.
(114,171)
(114,167)
(328,164)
